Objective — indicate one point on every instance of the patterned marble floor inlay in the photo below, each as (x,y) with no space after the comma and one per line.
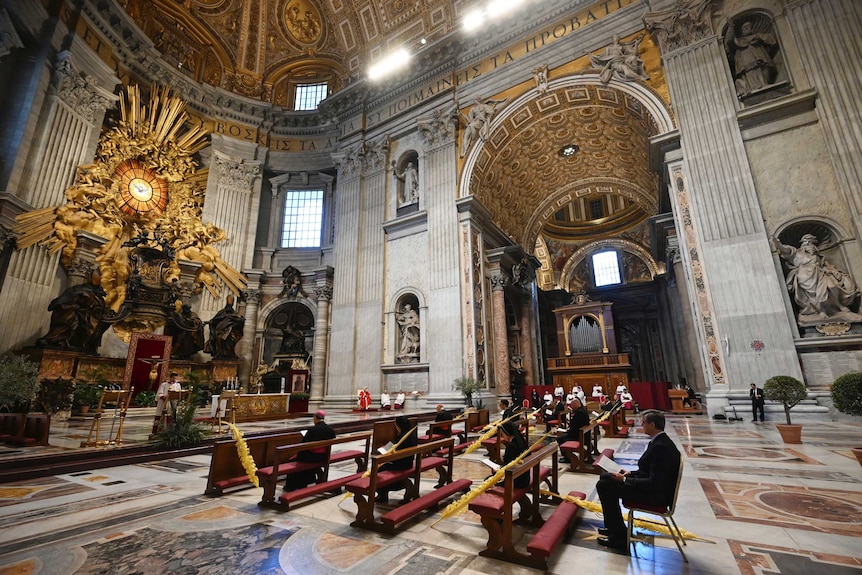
(38,489)
(691,431)
(789,506)
(782,454)
(756,559)
(824,475)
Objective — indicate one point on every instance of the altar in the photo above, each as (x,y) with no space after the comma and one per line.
(254,407)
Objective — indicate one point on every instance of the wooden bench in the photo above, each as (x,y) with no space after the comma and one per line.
(442,430)
(11,425)
(581,453)
(384,432)
(284,463)
(615,425)
(226,470)
(477,420)
(556,527)
(364,489)
(494,444)
(495,508)
(35,431)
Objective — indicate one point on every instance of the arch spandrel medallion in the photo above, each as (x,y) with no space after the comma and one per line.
(302,21)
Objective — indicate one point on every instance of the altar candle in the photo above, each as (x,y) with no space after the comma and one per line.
(282,385)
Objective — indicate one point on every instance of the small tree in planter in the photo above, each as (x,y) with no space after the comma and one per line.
(847,398)
(183,430)
(789,391)
(55,396)
(468,386)
(19,382)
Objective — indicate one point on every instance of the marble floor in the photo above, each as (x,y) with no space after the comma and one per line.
(757,505)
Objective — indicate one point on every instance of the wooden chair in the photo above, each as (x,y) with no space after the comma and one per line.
(228,413)
(120,400)
(665,512)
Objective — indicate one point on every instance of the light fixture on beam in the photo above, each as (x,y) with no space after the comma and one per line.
(568,150)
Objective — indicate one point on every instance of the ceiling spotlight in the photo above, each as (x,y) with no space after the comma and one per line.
(423,41)
(474,19)
(568,150)
(498,8)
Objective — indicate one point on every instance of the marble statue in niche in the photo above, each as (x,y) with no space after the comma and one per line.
(408,188)
(820,290)
(408,322)
(751,50)
(226,329)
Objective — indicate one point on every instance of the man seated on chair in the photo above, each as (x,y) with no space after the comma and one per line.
(385,402)
(654,482)
(318,432)
(399,400)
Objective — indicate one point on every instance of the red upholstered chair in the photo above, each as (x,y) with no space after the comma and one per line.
(666,513)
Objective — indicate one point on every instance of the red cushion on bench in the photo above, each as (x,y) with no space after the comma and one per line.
(573,445)
(457,448)
(384,478)
(550,534)
(232,482)
(339,456)
(290,467)
(408,510)
(317,488)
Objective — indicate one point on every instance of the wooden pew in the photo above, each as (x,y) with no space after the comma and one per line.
(614,425)
(495,508)
(226,470)
(494,444)
(477,420)
(384,432)
(35,431)
(581,454)
(364,489)
(284,463)
(442,430)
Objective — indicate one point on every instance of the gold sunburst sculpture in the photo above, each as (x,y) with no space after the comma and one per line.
(144,180)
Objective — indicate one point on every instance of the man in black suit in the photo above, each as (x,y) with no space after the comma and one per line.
(443,415)
(654,482)
(318,432)
(756,395)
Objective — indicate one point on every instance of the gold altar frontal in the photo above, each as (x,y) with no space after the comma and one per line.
(254,407)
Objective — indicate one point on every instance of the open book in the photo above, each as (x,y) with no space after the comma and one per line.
(303,432)
(494,467)
(608,464)
(382,450)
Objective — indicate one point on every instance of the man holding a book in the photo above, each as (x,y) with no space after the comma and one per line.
(653,482)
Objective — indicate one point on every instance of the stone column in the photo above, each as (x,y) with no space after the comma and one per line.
(321,341)
(372,262)
(342,349)
(739,296)
(499,281)
(827,33)
(252,298)
(443,335)
(683,319)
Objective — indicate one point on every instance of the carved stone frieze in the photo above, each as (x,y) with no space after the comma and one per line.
(235,173)
(76,90)
(349,160)
(687,22)
(9,38)
(438,129)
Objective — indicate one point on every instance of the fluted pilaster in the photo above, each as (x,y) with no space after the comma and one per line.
(321,340)
(828,35)
(499,281)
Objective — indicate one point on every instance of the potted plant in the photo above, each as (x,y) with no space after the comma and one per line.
(789,391)
(145,399)
(468,386)
(298,402)
(55,397)
(86,396)
(847,398)
(183,430)
(19,381)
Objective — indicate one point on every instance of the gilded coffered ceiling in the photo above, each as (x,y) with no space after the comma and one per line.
(257,48)
(527,185)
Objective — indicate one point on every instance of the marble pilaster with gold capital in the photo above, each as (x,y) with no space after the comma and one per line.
(252,296)
(499,281)
(323,293)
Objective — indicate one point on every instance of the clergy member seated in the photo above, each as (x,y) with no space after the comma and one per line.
(578,418)
(364,399)
(627,399)
(399,400)
(385,401)
(598,393)
(318,432)
(443,415)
